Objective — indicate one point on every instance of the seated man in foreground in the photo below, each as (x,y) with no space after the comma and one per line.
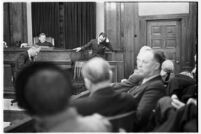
(150,89)
(102,99)
(43,90)
(126,84)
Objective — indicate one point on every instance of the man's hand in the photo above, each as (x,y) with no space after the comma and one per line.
(123,80)
(23,45)
(107,40)
(136,72)
(191,100)
(77,49)
(176,103)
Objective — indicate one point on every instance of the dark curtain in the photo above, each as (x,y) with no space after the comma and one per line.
(45,19)
(79,23)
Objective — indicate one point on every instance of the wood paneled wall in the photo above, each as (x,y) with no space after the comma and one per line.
(127,31)
(119,25)
(15,23)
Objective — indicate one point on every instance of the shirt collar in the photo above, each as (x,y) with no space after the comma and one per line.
(148,79)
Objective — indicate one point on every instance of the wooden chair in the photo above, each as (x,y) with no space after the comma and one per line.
(123,121)
(48,39)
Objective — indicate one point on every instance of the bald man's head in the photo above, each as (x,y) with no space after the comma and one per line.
(97,70)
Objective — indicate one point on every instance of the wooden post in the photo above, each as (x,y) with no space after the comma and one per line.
(29,23)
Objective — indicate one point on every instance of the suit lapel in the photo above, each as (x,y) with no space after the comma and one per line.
(141,87)
(137,89)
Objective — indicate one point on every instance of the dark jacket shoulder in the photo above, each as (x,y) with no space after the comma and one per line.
(105,101)
(156,83)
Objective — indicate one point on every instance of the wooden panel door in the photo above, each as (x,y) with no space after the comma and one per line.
(165,36)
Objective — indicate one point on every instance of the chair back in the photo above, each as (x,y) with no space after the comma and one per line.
(77,70)
(48,39)
(123,121)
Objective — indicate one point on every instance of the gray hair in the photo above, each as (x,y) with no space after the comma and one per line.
(96,70)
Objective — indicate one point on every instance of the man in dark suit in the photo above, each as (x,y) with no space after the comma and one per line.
(43,42)
(149,89)
(172,115)
(97,46)
(102,99)
(26,57)
(134,79)
(179,85)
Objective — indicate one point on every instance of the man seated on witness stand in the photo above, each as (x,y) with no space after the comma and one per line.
(102,98)
(149,89)
(43,90)
(43,42)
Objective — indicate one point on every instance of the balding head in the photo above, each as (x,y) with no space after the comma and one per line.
(97,70)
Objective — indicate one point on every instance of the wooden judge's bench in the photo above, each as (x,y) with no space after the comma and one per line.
(65,58)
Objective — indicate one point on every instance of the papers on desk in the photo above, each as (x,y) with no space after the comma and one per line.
(6,124)
(8,105)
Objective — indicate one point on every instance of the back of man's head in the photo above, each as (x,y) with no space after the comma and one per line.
(97,70)
(43,89)
(160,57)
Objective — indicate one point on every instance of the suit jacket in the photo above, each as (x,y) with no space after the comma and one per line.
(131,82)
(169,119)
(97,49)
(44,44)
(146,95)
(106,102)
(22,61)
(177,84)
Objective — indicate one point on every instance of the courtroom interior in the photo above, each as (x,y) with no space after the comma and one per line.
(100,66)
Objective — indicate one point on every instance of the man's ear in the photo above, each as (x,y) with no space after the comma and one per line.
(157,66)
(87,83)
